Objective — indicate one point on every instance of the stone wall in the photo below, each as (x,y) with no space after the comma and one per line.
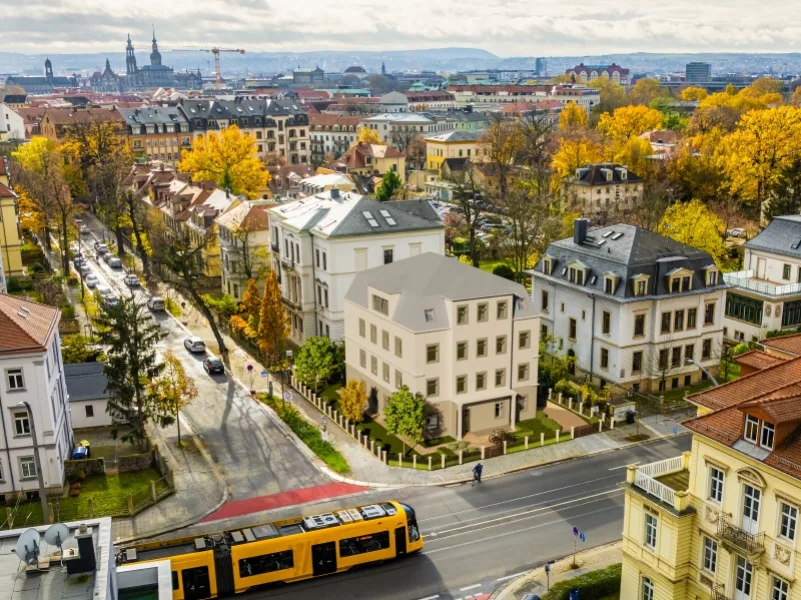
(89,466)
(135,462)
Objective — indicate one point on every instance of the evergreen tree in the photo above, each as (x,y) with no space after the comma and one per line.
(390,183)
(131,335)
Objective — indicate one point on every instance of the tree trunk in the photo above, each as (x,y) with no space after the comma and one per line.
(473,249)
(120,241)
(210,318)
(178,424)
(65,261)
(138,237)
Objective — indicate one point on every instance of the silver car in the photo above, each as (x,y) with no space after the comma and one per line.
(195,345)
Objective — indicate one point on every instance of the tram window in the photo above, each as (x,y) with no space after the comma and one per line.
(266,563)
(175,585)
(364,543)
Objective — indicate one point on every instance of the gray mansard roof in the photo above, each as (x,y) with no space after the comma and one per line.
(426,282)
(86,381)
(626,251)
(782,236)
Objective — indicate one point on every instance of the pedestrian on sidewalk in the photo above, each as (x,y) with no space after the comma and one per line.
(477,473)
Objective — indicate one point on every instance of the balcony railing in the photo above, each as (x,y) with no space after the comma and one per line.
(746,280)
(719,592)
(275,247)
(288,262)
(750,543)
(645,478)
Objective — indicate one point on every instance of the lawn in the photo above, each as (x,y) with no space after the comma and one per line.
(109,496)
(540,424)
(489,265)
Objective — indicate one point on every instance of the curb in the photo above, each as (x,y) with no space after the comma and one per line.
(508,588)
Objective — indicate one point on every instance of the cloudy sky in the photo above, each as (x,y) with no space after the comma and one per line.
(505,27)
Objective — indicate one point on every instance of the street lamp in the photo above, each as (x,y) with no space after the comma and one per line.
(37,462)
(714,381)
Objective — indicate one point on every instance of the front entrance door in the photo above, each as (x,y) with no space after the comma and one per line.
(751,500)
(400,541)
(742,580)
(196,583)
(465,419)
(324,558)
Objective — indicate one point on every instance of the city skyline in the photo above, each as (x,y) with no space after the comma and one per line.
(506,28)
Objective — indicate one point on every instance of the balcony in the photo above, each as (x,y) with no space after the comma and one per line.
(751,544)
(666,480)
(747,281)
(288,263)
(719,592)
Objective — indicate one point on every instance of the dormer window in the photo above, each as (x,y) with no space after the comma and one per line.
(759,432)
(547,265)
(680,281)
(576,276)
(640,285)
(712,276)
(768,433)
(751,432)
(610,283)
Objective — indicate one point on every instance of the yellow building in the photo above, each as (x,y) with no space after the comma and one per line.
(454,144)
(9,226)
(721,522)
(373,159)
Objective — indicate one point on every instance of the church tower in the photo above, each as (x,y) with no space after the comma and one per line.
(155,55)
(130,62)
(48,70)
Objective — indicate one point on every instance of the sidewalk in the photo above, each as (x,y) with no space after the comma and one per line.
(535,582)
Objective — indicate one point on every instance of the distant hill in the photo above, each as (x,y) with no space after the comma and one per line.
(433,59)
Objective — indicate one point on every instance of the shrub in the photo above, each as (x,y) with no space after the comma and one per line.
(173,307)
(595,584)
(37,267)
(504,271)
(73,281)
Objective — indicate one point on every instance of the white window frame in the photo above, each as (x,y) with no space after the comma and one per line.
(767,429)
(22,424)
(650,533)
(647,589)
(15,380)
(780,590)
(713,487)
(709,555)
(27,463)
(788,529)
(751,421)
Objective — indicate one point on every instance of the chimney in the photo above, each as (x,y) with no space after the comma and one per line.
(227,192)
(579,231)
(86,561)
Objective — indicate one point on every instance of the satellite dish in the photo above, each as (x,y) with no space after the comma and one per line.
(28,547)
(57,534)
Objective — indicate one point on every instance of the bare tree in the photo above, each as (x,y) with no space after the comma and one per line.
(108,181)
(469,198)
(400,139)
(502,144)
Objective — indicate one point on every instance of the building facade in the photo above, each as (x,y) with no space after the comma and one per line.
(465,340)
(766,295)
(87,386)
(244,233)
(372,160)
(10,231)
(331,135)
(280,127)
(12,126)
(157,133)
(582,73)
(43,85)
(33,372)
(698,72)
(455,144)
(493,96)
(399,129)
(604,191)
(56,122)
(320,243)
(721,521)
(631,307)
(155,75)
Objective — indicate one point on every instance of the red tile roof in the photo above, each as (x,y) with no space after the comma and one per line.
(25,326)
(789,344)
(4,191)
(756,359)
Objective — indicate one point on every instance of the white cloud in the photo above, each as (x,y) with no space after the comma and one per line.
(506,27)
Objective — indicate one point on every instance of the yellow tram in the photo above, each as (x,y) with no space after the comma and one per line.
(232,562)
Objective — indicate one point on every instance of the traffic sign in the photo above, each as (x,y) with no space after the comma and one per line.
(250,368)
(264,373)
(675,430)
(575,531)
(582,538)
(287,396)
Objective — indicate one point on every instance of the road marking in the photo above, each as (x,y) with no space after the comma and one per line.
(548,508)
(511,576)
(470,587)
(567,487)
(624,466)
(500,535)
(430,597)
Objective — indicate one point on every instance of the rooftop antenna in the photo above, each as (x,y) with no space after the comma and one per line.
(56,535)
(28,547)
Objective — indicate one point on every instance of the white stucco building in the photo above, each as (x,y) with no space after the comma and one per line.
(402,126)
(244,245)
(464,339)
(12,125)
(86,385)
(766,295)
(632,307)
(33,372)
(319,243)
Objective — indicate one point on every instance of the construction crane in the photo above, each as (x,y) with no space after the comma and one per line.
(215,51)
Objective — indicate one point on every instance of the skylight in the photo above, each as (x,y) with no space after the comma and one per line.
(608,233)
(370,218)
(388,217)
(429,313)
(618,235)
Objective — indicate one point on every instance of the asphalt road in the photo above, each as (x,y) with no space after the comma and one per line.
(478,537)
(253,454)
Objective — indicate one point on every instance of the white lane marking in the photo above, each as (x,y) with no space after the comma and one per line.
(430,597)
(470,587)
(511,576)
(624,466)
(500,535)
(542,509)
(567,487)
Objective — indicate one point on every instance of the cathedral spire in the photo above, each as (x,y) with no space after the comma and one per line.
(154,33)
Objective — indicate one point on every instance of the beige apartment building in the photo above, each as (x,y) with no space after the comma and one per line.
(466,340)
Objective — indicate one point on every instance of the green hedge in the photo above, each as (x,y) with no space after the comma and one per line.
(595,584)
(307,432)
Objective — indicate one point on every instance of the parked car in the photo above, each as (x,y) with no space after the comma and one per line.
(110,300)
(101,248)
(84,229)
(214,366)
(114,262)
(85,269)
(91,280)
(78,262)
(156,304)
(194,344)
(737,232)
(131,280)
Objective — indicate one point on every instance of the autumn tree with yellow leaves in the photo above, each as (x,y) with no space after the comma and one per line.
(367,136)
(633,153)
(629,121)
(572,153)
(646,90)
(353,399)
(573,116)
(175,390)
(502,143)
(692,223)
(693,94)
(273,327)
(229,158)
